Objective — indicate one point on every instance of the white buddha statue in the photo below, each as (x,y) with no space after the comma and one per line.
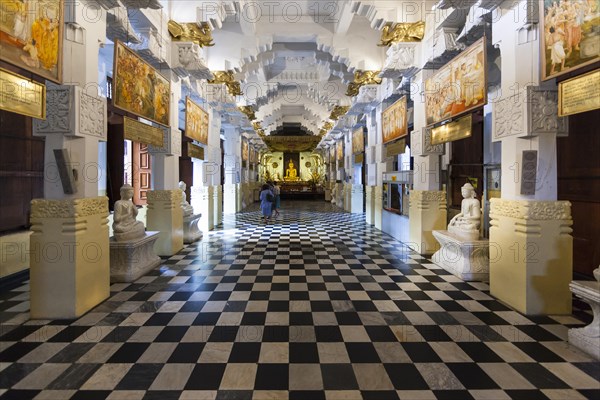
(125,225)
(467,222)
(187,208)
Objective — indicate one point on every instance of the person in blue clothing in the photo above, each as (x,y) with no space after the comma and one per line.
(266,202)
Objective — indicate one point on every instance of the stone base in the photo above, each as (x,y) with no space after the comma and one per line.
(427,213)
(467,259)
(191,232)
(587,339)
(132,259)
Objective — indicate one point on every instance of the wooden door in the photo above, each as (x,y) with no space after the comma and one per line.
(142,174)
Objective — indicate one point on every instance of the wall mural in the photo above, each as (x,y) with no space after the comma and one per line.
(340,150)
(31,36)
(358,141)
(570,35)
(395,121)
(458,86)
(138,88)
(196,122)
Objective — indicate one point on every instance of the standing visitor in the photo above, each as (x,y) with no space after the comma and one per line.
(266,202)
(277,193)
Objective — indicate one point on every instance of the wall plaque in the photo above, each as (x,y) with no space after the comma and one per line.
(529,172)
(393,149)
(579,94)
(139,132)
(195,151)
(21,95)
(455,130)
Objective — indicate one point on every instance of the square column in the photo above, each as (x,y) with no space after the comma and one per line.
(378,206)
(531,255)
(370,208)
(166,216)
(357,199)
(229,198)
(204,197)
(69,257)
(427,213)
(239,195)
(218,205)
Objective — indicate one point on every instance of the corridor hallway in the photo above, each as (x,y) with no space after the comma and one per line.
(316,305)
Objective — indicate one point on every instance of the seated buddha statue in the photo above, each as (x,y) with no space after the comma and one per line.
(291,174)
(467,222)
(125,225)
(185,206)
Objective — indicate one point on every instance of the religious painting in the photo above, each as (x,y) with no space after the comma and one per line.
(570,35)
(139,88)
(196,122)
(340,150)
(395,121)
(457,87)
(245,150)
(358,141)
(31,36)
(252,155)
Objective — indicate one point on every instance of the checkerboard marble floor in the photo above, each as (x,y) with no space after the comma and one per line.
(317,305)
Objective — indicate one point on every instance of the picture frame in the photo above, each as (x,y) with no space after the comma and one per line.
(395,120)
(196,122)
(139,88)
(31,36)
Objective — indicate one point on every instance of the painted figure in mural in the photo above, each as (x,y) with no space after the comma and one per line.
(291,174)
(125,225)
(185,206)
(468,221)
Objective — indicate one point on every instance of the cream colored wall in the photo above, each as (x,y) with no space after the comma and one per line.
(14,253)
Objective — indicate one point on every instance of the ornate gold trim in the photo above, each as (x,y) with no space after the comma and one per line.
(200,34)
(530,210)
(76,208)
(227,78)
(249,112)
(327,126)
(402,32)
(362,78)
(338,111)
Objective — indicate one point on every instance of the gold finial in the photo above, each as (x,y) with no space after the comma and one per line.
(362,78)
(191,32)
(402,32)
(227,78)
(338,111)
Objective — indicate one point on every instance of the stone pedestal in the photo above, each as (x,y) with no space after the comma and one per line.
(166,216)
(69,257)
(465,258)
(427,213)
(370,203)
(204,197)
(191,231)
(378,206)
(340,194)
(348,197)
(587,339)
(531,262)
(132,259)
(229,199)
(357,199)
(218,205)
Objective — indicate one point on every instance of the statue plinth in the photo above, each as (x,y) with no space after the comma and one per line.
(191,232)
(131,259)
(468,259)
(587,339)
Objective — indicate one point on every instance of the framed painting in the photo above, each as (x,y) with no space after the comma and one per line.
(196,122)
(395,121)
(358,141)
(568,35)
(138,88)
(459,86)
(245,150)
(340,150)
(31,35)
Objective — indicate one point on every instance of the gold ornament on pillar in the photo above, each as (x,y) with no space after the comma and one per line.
(402,32)
(226,77)
(338,111)
(258,129)
(248,111)
(362,78)
(191,32)
(326,128)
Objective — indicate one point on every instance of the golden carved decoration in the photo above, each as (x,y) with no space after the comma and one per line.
(326,128)
(402,32)
(227,78)
(248,112)
(338,111)
(191,32)
(362,78)
(258,129)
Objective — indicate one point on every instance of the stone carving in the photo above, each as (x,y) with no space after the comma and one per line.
(92,115)
(428,196)
(428,148)
(543,112)
(118,26)
(399,57)
(508,117)
(530,210)
(58,111)
(125,226)
(185,206)
(587,338)
(170,196)
(362,78)
(76,208)
(153,47)
(402,32)
(175,142)
(227,78)
(466,224)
